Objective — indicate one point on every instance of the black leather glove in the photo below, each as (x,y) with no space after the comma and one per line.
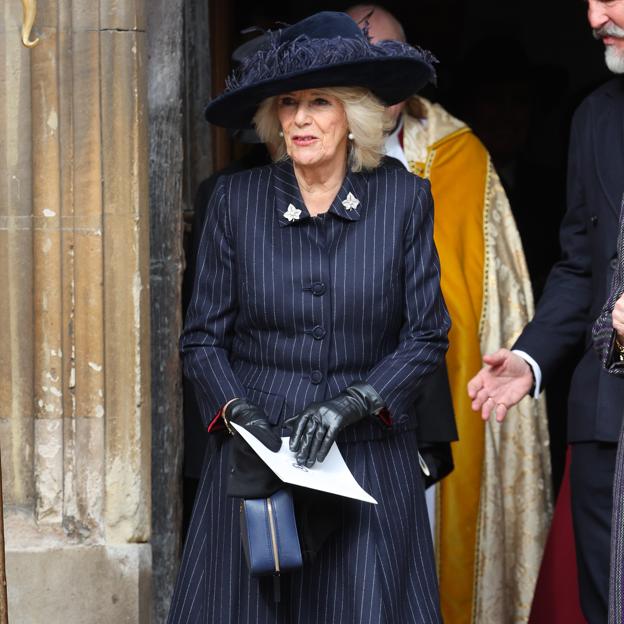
(252,418)
(318,426)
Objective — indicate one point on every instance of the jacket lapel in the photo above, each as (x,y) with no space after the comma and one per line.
(350,199)
(289,204)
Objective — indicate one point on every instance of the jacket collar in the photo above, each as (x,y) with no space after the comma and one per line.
(348,203)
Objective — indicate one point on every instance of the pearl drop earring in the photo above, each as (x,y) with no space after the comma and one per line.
(350,136)
(281,133)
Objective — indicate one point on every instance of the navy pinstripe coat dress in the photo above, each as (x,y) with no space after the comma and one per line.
(288,309)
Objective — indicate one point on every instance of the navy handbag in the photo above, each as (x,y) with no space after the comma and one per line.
(269,534)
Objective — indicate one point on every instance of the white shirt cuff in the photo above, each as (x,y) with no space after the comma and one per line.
(537,371)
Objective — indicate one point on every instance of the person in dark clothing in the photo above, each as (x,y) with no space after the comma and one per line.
(574,294)
(316,310)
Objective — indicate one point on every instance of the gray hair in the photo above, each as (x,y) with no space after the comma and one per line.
(367,119)
(613,57)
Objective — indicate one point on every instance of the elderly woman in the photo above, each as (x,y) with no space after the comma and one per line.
(317,307)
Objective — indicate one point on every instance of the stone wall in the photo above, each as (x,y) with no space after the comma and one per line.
(75,431)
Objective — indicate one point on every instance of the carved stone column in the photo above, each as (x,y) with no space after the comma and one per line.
(74,275)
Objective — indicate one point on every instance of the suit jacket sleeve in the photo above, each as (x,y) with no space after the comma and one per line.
(560,321)
(423,338)
(603,333)
(208,332)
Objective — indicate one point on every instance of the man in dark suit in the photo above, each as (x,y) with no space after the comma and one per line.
(574,294)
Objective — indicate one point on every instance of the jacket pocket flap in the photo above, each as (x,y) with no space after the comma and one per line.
(271,403)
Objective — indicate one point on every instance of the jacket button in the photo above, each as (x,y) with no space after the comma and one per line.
(318,333)
(316,377)
(613,263)
(318,289)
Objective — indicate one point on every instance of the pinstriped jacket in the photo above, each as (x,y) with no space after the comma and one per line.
(602,332)
(288,309)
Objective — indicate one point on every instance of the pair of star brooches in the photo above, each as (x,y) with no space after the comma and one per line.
(293,214)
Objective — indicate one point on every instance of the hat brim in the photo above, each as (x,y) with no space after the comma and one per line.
(391,79)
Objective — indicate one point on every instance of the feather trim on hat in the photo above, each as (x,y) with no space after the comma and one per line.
(305,54)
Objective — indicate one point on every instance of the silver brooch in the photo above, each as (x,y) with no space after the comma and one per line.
(351,202)
(292,214)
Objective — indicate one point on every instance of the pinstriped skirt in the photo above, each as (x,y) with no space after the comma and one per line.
(377,568)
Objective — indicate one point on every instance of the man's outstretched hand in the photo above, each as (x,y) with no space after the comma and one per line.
(501,383)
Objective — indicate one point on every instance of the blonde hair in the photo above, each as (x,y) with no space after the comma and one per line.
(367,119)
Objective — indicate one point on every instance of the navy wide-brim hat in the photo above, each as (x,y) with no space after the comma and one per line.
(327,49)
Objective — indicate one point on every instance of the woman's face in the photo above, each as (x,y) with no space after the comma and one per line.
(315,129)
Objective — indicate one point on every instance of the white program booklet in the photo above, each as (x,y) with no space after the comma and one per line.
(332,475)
